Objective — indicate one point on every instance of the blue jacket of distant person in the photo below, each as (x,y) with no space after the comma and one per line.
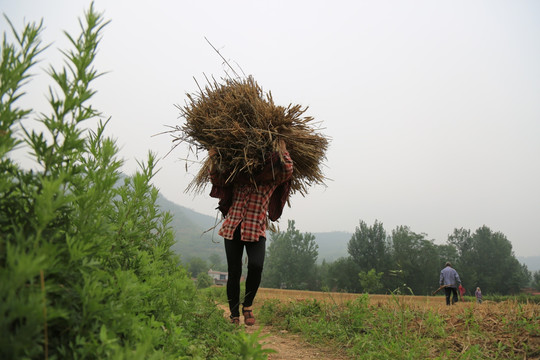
(449,277)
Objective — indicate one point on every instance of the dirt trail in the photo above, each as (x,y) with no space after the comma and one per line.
(288,346)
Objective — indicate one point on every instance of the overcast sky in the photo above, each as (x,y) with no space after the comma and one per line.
(433,107)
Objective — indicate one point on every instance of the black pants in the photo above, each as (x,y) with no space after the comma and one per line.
(451,291)
(234,250)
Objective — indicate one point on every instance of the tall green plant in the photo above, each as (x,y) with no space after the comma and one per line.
(21,302)
(86,269)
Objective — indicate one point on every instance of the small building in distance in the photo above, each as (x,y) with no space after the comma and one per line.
(530,291)
(219,277)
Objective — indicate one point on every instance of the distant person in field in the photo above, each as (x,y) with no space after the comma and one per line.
(478,294)
(450,279)
(245,208)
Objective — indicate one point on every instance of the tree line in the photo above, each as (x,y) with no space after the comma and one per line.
(402,261)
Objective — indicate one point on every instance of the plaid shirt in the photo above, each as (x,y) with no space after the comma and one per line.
(250,204)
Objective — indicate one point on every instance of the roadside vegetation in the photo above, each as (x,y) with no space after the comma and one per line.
(86,267)
(395,328)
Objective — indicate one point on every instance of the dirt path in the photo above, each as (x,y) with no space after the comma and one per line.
(288,346)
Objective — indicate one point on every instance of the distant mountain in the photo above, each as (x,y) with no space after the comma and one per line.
(195,239)
(192,232)
(332,245)
(532,262)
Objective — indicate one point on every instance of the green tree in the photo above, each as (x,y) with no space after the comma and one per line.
(486,259)
(291,260)
(417,258)
(461,239)
(342,275)
(216,263)
(370,281)
(463,242)
(196,266)
(322,270)
(447,252)
(369,248)
(536,280)
(204,280)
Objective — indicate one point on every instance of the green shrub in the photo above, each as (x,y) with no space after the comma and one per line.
(86,269)
(216,294)
(204,280)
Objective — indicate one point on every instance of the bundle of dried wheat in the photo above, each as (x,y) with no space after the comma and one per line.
(244,125)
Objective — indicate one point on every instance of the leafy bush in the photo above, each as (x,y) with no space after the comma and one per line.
(216,294)
(204,280)
(86,269)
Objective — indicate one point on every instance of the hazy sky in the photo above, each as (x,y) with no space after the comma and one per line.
(433,107)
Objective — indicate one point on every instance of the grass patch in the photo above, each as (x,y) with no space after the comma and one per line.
(400,329)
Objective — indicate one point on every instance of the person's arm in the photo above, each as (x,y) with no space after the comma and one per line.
(441,279)
(277,169)
(220,188)
(458,280)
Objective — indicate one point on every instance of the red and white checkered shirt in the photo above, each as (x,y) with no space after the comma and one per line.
(250,206)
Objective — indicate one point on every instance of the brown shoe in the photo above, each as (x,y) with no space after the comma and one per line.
(235,320)
(249,319)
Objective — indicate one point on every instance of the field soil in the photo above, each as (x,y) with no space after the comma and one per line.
(341,298)
(291,346)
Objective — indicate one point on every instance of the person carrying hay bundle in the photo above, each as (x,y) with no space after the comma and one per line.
(258,155)
(245,206)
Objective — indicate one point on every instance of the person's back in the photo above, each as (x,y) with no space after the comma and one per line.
(245,206)
(449,277)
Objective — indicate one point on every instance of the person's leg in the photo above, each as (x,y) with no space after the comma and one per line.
(447,293)
(454,296)
(234,249)
(255,252)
